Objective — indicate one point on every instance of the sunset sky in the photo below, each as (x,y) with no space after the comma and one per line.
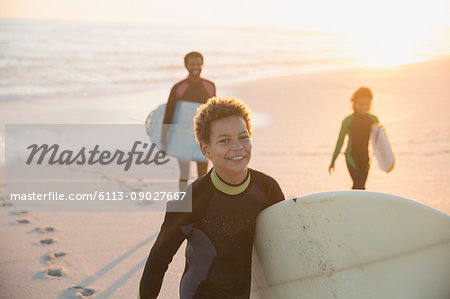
(320,14)
(400,30)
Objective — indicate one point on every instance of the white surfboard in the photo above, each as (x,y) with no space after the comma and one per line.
(351,245)
(181,141)
(381,148)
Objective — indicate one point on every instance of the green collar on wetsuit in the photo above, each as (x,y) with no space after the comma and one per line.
(227,188)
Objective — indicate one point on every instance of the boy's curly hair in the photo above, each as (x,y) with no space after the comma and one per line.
(218,108)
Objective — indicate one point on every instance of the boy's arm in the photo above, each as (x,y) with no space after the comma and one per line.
(170,238)
(340,141)
(276,194)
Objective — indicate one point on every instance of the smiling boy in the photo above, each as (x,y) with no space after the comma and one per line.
(225,203)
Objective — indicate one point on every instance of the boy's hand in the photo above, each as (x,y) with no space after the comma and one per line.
(331,169)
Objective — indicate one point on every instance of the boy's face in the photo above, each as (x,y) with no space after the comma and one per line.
(229,148)
(362,105)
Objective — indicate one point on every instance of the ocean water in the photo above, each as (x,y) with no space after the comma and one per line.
(44,59)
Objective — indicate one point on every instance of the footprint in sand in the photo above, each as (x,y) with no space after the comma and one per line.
(52,256)
(3,203)
(56,272)
(42,230)
(23,221)
(47,241)
(19,213)
(79,292)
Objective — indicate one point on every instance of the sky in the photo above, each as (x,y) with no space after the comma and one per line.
(402,28)
(318,14)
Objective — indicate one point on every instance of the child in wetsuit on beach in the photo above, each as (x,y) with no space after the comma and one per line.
(225,203)
(358,127)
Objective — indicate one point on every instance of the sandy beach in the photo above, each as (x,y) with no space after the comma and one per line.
(102,254)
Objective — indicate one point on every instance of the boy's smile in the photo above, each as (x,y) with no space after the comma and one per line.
(229,148)
(362,105)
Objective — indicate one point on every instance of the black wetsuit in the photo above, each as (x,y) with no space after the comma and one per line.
(219,232)
(358,128)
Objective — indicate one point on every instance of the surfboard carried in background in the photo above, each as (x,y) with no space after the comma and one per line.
(181,141)
(351,245)
(381,148)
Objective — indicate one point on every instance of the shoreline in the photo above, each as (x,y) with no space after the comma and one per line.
(164,88)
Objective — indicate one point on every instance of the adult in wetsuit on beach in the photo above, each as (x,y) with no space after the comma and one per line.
(193,89)
(358,127)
